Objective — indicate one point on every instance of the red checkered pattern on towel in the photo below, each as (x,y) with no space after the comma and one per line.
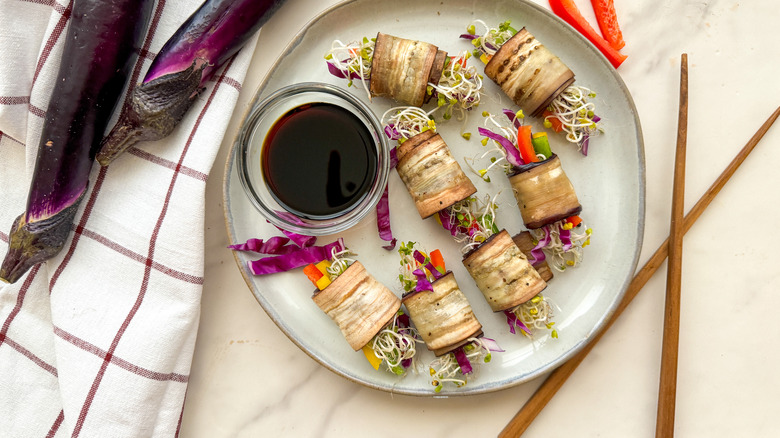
(98,341)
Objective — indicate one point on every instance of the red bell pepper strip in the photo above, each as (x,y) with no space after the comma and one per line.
(525,145)
(608,24)
(574,220)
(567,10)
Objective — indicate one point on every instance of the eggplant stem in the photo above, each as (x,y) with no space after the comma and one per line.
(34,242)
(154,110)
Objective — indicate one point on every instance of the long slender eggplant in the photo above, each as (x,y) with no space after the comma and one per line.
(209,37)
(100,49)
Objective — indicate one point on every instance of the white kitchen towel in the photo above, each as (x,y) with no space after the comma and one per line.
(98,341)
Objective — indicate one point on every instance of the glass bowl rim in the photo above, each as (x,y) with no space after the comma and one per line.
(287,220)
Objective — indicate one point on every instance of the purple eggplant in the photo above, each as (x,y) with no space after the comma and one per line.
(209,37)
(100,48)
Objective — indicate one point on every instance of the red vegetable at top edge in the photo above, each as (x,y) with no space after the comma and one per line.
(201,45)
(608,24)
(568,11)
(99,52)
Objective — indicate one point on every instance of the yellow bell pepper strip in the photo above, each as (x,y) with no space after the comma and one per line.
(541,144)
(574,220)
(568,11)
(323,266)
(323,282)
(373,359)
(318,274)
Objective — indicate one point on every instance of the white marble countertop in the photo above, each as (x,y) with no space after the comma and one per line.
(248,379)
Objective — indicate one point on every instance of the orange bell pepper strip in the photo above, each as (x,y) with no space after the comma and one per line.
(525,145)
(437,260)
(312,273)
(608,24)
(567,10)
(555,122)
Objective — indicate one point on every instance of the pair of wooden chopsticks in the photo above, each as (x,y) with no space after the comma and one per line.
(558,377)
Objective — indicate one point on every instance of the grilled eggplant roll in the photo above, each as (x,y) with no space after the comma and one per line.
(402,68)
(528,73)
(359,304)
(502,272)
(431,174)
(544,193)
(443,317)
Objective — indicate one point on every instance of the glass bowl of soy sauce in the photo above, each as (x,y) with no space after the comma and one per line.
(313,158)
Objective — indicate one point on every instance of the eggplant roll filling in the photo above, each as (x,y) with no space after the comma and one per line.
(544,193)
(433,177)
(528,73)
(443,317)
(502,272)
(401,69)
(359,304)
(526,242)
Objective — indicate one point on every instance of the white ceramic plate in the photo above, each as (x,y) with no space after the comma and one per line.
(609,183)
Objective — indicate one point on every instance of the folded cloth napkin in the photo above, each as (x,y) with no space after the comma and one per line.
(98,341)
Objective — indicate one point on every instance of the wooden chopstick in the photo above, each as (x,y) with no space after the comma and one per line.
(526,415)
(667,388)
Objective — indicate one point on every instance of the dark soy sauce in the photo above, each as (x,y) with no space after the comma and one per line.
(319,160)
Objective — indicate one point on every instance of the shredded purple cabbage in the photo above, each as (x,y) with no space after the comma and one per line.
(422,281)
(393,157)
(491,344)
(514,321)
(453,225)
(404,324)
(421,259)
(491,46)
(463,361)
(392,133)
(383,211)
(294,259)
(537,254)
(335,71)
(418,256)
(299,239)
(586,138)
(403,320)
(383,220)
(565,236)
(512,116)
(512,154)
(274,245)
(446,221)
(470,36)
